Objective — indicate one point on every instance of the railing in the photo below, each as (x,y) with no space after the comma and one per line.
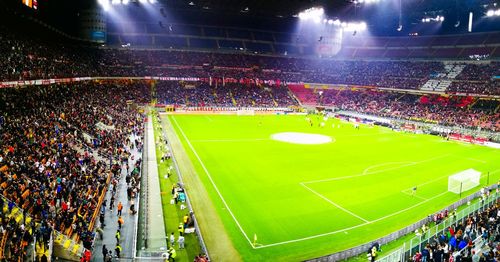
(418,242)
(143,200)
(138,201)
(477,244)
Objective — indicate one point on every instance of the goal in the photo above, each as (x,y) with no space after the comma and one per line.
(463,181)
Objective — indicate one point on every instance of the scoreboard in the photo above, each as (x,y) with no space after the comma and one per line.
(31,3)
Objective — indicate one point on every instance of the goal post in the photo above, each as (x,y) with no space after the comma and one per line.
(463,181)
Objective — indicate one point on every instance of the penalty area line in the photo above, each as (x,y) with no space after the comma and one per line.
(366,171)
(213,183)
(350,228)
(333,203)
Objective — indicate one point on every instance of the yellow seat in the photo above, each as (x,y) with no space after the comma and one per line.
(67,243)
(76,249)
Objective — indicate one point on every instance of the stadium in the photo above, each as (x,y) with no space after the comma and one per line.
(250,130)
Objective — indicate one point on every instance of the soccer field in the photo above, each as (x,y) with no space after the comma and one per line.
(308,200)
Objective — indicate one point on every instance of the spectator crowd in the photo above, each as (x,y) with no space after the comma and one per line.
(51,171)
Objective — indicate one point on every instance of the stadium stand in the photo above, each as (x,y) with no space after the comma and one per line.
(50,166)
(55,139)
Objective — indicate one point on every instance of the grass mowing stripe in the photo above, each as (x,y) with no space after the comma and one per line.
(212,181)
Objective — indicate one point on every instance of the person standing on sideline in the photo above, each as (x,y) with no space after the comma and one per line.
(118,249)
(181,229)
(172,253)
(172,239)
(104,252)
(120,222)
(120,208)
(180,240)
(117,236)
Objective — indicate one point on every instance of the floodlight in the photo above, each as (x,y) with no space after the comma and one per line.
(104,4)
(362,26)
(497,12)
(336,22)
(490,13)
(152,1)
(125,2)
(115,2)
(330,22)
(317,20)
(143,1)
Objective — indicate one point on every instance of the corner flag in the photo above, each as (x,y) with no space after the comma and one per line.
(254,239)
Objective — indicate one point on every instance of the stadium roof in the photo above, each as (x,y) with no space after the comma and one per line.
(382,16)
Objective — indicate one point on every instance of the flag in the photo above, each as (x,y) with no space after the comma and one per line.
(254,239)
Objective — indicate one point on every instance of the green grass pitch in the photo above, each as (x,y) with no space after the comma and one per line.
(305,201)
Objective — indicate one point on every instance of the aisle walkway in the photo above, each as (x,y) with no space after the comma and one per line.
(155,224)
(128,231)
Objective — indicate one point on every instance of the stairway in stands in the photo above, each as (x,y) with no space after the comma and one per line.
(442,80)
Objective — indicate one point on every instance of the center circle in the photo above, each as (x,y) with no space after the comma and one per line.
(301,138)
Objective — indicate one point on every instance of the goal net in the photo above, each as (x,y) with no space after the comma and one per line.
(463,181)
(245,112)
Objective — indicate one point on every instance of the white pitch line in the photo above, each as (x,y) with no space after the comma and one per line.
(413,195)
(212,181)
(333,203)
(476,160)
(366,173)
(230,140)
(349,228)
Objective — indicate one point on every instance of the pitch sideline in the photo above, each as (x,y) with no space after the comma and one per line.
(213,183)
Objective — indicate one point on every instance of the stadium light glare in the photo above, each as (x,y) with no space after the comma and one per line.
(362,26)
(115,2)
(105,4)
(330,22)
(125,2)
(314,13)
(152,1)
(493,12)
(143,1)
